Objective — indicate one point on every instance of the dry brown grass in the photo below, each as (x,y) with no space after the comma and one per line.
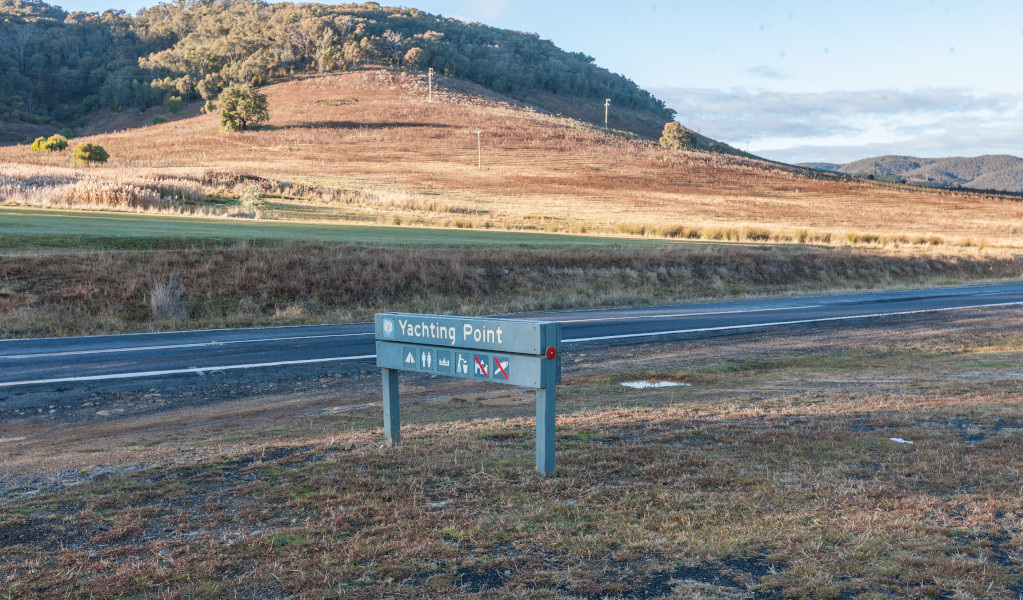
(124,189)
(393,156)
(77,293)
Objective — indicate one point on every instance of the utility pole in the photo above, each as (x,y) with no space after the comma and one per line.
(479,151)
(431,83)
(607,103)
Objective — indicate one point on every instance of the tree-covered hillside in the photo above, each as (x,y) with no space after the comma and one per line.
(57,66)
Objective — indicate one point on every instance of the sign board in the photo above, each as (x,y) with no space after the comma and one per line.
(513,336)
(509,351)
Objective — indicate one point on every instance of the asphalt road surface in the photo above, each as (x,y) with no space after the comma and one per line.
(55,365)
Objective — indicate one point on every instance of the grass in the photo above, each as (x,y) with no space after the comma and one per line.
(776,480)
(29,229)
(283,283)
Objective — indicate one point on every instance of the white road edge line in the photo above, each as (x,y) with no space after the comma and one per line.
(568,341)
(778,323)
(176,346)
(695,314)
(340,335)
(189,370)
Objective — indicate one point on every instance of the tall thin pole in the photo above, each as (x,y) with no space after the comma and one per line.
(479,151)
(607,103)
(431,83)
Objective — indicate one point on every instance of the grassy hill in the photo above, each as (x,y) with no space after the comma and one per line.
(368,147)
(992,172)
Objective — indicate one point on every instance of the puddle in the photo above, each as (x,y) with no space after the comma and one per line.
(900,441)
(642,385)
(14,439)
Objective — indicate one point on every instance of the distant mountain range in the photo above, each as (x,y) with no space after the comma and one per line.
(992,172)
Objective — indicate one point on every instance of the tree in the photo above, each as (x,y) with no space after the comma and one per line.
(90,153)
(394,40)
(173,104)
(241,106)
(414,57)
(678,137)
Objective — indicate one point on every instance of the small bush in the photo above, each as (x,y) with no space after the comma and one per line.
(173,104)
(66,133)
(252,200)
(678,137)
(158,119)
(90,153)
(757,235)
(165,300)
(51,144)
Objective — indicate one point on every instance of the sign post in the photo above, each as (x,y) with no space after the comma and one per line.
(509,351)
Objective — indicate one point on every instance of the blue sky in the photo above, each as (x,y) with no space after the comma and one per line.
(796,80)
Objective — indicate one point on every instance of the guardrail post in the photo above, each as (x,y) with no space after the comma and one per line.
(392,414)
(545,429)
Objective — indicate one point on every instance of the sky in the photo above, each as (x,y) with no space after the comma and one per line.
(796,81)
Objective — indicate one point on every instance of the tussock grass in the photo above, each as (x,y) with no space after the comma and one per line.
(123,190)
(241,285)
(165,299)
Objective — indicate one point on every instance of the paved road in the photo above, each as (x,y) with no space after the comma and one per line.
(61,362)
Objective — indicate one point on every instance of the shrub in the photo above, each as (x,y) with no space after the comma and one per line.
(208,107)
(173,104)
(66,133)
(56,142)
(90,153)
(166,299)
(252,199)
(159,119)
(51,144)
(678,137)
(90,104)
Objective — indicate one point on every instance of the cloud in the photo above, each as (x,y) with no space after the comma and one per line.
(766,72)
(842,126)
